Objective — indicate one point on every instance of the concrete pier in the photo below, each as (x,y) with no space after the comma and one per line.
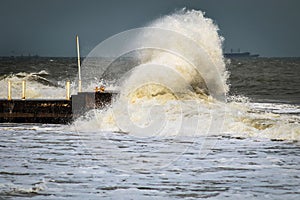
(52,111)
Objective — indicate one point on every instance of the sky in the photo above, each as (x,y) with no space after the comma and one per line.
(270,28)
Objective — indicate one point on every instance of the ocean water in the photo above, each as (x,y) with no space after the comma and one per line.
(225,129)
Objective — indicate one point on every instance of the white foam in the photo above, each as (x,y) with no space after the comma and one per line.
(166,95)
(37,87)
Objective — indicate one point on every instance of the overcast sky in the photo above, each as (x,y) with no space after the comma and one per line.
(49,27)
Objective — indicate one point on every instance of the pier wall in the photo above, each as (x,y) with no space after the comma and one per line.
(52,111)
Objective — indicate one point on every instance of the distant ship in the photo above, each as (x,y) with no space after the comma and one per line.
(240,55)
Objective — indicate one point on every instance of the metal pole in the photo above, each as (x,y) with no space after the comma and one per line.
(68,90)
(78,62)
(9,90)
(23,89)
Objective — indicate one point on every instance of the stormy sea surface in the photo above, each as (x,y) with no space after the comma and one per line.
(40,161)
(154,142)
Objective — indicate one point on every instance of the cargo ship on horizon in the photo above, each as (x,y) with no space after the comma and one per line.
(240,55)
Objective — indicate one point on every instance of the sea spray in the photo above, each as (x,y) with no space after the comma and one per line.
(37,86)
(177,64)
(176,85)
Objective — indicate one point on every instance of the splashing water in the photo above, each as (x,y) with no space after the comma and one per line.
(37,86)
(173,93)
(178,92)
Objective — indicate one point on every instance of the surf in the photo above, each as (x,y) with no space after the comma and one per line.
(174,83)
(38,85)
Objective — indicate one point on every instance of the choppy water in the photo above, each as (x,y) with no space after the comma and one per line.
(46,162)
(266,79)
(54,162)
(162,144)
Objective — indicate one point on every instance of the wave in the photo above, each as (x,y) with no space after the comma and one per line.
(11,190)
(181,87)
(37,85)
(177,90)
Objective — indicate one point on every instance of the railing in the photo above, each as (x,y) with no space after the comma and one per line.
(23,97)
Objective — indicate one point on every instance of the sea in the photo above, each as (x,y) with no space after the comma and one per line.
(218,128)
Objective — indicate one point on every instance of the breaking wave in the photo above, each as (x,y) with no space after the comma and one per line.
(177,89)
(37,85)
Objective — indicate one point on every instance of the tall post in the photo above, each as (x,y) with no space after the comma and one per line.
(9,90)
(23,89)
(68,90)
(78,62)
